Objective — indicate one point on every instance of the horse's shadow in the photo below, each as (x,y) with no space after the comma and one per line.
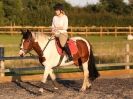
(34,90)
(19,84)
(70,84)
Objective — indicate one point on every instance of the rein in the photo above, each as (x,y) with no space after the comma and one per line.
(50,39)
(31,54)
(47,43)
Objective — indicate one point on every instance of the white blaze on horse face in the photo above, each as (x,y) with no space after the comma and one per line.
(21,52)
(21,47)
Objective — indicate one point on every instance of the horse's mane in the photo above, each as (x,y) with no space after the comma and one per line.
(26,34)
(39,36)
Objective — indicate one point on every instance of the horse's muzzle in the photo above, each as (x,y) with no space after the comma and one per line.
(22,53)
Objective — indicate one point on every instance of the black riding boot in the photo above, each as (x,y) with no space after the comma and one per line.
(68,52)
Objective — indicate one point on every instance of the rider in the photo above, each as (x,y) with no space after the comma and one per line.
(59,27)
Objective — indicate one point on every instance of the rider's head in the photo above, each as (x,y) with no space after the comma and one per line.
(59,9)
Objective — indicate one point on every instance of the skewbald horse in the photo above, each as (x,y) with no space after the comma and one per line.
(50,56)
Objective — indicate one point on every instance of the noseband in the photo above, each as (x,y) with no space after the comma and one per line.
(29,40)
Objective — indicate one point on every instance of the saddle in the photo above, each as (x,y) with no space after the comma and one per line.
(78,48)
(71,44)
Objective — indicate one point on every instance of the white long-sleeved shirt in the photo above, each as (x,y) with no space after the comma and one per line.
(60,21)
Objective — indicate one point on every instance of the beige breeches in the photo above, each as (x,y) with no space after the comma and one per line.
(62,38)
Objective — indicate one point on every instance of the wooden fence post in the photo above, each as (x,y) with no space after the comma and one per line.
(127,56)
(86,31)
(11,29)
(2,67)
(130,30)
(101,31)
(71,34)
(41,29)
(115,31)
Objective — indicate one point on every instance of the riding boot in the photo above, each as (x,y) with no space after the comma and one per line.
(68,52)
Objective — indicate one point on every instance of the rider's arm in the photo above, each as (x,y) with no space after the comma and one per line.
(65,24)
(53,26)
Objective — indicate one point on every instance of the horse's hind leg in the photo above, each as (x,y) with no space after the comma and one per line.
(86,82)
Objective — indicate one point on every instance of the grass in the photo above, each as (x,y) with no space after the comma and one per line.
(107,49)
(6,39)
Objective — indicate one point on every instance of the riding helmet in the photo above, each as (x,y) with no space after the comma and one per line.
(58,6)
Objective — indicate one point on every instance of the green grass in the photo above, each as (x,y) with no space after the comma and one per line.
(15,39)
(107,44)
(11,44)
(10,39)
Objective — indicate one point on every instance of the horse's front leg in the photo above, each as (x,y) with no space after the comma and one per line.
(53,78)
(45,76)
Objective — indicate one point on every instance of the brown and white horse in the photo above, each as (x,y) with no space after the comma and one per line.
(49,57)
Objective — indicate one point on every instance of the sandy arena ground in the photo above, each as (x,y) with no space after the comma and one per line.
(101,89)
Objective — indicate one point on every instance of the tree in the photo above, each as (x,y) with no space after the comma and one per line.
(13,10)
(113,6)
(1,13)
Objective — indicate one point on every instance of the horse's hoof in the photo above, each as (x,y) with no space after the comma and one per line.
(82,90)
(56,88)
(89,86)
(41,90)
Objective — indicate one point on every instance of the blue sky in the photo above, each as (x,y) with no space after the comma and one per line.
(82,3)
(126,1)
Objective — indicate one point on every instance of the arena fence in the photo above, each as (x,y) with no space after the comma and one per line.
(127,72)
(87,30)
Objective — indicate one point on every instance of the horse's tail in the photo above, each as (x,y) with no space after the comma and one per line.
(93,73)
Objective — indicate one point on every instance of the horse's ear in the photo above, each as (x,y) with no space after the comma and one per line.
(22,31)
(28,31)
(33,35)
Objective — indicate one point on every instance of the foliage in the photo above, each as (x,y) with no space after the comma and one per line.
(1,13)
(40,12)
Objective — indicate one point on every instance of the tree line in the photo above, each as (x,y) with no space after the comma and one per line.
(40,12)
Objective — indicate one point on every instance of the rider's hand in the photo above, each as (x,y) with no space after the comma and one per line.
(54,30)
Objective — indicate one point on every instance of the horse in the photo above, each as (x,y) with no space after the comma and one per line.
(46,49)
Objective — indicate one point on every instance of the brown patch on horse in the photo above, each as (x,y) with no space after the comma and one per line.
(41,59)
(38,50)
(83,53)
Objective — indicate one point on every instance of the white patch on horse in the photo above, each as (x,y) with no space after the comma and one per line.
(52,58)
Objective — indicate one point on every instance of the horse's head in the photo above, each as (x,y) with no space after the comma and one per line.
(26,43)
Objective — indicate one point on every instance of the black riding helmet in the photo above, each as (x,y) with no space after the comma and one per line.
(58,6)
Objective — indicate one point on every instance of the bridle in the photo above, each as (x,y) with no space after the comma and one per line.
(26,50)
(30,41)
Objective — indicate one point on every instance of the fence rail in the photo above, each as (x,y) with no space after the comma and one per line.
(71,30)
(127,63)
(74,30)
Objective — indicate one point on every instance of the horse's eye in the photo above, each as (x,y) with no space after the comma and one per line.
(28,40)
